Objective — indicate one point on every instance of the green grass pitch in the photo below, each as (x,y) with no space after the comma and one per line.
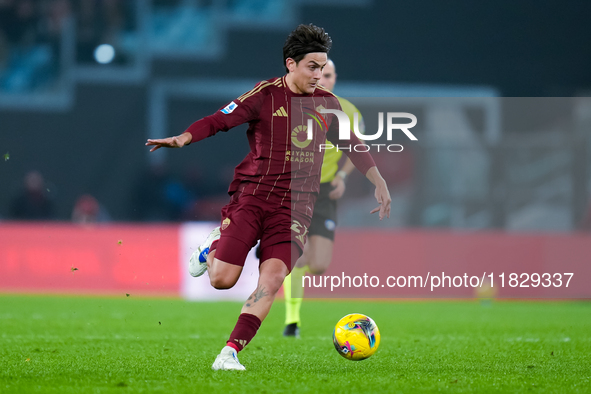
(138,345)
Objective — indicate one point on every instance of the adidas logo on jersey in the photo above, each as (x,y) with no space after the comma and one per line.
(280,112)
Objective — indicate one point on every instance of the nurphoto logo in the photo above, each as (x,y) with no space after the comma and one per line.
(345,130)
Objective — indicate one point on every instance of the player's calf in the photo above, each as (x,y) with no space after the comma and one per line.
(317,254)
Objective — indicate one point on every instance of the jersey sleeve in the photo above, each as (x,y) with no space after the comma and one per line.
(241,110)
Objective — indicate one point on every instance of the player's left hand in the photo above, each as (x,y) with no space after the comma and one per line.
(383,197)
(339,188)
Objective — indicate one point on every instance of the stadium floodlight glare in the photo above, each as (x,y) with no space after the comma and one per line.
(104,54)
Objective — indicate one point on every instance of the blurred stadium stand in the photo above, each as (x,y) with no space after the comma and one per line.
(81,116)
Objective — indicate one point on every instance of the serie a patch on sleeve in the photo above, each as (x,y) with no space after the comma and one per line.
(229,108)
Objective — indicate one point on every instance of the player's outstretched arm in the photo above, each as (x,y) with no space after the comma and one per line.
(171,142)
(382,194)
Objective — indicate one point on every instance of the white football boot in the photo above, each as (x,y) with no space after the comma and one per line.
(227,360)
(198,260)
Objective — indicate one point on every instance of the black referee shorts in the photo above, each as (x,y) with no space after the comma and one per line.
(324,219)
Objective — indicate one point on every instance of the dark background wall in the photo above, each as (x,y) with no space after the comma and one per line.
(524,48)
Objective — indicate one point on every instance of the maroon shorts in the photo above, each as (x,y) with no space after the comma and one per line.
(247,219)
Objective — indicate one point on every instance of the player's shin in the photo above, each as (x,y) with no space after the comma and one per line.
(254,311)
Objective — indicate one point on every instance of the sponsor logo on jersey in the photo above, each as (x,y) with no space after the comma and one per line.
(229,108)
(280,112)
(299,136)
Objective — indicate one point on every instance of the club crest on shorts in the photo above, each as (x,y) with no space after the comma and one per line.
(225,223)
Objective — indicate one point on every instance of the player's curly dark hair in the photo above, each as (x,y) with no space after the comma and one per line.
(303,40)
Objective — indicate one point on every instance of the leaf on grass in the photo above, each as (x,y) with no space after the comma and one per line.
(127,294)
(6,156)
(121,384)
(28,360)
(454,381)
(552,353)
(159,323)
(531,366)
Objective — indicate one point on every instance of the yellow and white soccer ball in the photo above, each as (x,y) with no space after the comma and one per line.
(356,337)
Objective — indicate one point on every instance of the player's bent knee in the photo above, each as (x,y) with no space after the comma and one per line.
(273,284)
(303,261)
(221,283)
(222,280)
(272,279)
(315,270)
(318,265)
(223,275)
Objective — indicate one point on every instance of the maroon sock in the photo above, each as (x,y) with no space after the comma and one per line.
(245,329)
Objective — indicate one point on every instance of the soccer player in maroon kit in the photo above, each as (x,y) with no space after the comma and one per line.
(274,187)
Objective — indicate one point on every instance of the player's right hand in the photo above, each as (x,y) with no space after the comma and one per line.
(170,142)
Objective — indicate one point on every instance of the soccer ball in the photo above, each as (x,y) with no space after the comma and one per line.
(356,337)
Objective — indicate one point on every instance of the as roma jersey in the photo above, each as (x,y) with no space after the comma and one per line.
(284,163)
